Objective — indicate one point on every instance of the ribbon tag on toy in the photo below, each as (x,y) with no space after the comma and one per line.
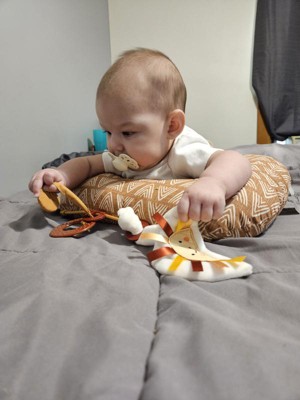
(123,162)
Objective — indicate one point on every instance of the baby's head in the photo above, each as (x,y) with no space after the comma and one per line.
(140,104)
(147,78)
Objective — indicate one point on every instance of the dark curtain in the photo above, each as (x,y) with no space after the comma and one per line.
(276,66)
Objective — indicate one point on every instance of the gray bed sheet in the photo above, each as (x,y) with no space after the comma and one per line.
(89,319)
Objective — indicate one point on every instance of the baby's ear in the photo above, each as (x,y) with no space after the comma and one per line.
(176,121)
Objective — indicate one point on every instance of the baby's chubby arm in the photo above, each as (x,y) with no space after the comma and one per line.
(225,174)
(71,174)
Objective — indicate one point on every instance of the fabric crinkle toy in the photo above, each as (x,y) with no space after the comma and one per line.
(179,249)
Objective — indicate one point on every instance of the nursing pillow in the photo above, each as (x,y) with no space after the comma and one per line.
(248,213)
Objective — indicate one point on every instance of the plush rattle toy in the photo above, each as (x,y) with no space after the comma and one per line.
(180,250)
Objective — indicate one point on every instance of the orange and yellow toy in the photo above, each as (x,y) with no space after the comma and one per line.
(178,248)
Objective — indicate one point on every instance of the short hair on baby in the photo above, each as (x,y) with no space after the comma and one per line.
(164,87)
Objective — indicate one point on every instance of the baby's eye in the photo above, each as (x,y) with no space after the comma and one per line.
(127,133)
(107,132)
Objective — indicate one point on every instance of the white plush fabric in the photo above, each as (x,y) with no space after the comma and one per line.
(212,271)
(129,221)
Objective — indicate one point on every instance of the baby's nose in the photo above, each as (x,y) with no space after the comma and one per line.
(115,145)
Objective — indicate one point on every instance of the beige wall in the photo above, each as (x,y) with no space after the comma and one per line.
(52,54)
(211,43)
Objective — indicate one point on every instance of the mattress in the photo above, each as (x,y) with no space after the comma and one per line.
(90,319)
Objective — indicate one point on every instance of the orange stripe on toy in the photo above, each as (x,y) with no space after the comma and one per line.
(163,223)
(197,266)
(159,253)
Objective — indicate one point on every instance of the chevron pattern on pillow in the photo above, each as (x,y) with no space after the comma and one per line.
(248,213)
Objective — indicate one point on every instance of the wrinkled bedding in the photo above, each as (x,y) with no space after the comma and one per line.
(89,318)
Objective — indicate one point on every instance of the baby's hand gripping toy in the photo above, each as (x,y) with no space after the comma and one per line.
(49,202)
(178,248)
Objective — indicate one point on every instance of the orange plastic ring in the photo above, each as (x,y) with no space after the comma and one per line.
(66,229)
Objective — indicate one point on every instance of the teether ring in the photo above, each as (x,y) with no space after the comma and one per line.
(77,226)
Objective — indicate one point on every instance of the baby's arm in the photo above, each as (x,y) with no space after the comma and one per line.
(71,173)
(225,174)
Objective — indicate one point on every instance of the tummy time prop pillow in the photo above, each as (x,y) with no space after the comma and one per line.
(248,213)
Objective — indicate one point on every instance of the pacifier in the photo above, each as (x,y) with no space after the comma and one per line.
(123,162)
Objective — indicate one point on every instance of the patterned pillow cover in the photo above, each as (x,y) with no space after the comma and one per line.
(248,213)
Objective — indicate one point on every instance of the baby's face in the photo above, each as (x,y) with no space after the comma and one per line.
(140,133)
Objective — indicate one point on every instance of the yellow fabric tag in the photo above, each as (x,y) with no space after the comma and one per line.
(175,263)
(182,225)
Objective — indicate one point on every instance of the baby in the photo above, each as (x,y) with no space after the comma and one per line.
(140,103)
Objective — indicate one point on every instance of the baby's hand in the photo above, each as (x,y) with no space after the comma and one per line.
(202,201)
(44,179)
